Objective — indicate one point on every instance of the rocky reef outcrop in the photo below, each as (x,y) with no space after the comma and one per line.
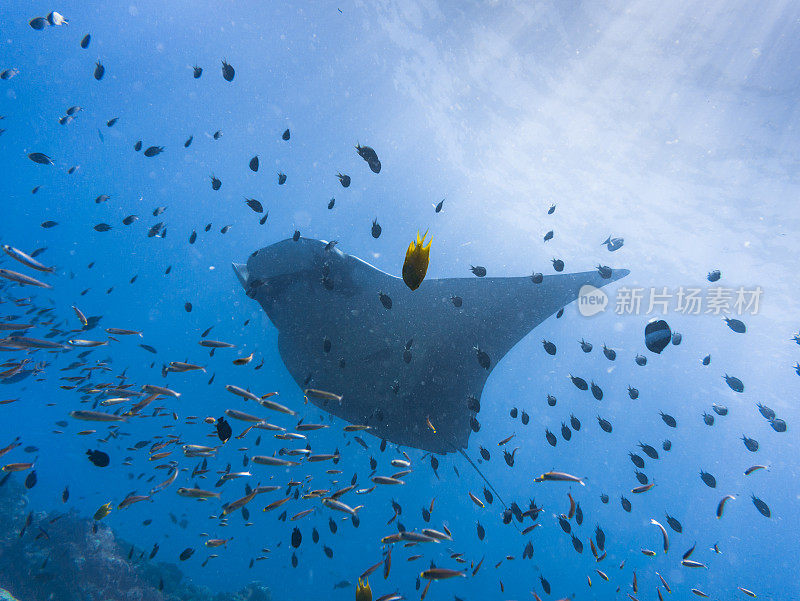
(65,556)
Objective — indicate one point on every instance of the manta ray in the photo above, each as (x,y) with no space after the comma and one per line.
(412,369)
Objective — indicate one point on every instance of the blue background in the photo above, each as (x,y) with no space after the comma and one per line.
(671,125)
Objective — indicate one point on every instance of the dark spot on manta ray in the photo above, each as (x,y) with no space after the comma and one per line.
(444,337)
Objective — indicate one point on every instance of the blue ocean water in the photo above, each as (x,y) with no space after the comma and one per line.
(671,126)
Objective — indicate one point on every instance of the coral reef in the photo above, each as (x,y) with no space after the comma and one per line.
(64,556)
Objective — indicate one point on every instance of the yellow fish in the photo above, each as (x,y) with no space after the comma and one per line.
(416,264)
(363,590)
(102,512)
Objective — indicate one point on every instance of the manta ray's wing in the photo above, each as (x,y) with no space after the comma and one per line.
(496,313)
(406,372)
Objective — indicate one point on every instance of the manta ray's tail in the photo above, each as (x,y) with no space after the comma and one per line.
(485,479)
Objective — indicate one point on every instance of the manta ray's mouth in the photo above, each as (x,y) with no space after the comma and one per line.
(241,273)
(251,286)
